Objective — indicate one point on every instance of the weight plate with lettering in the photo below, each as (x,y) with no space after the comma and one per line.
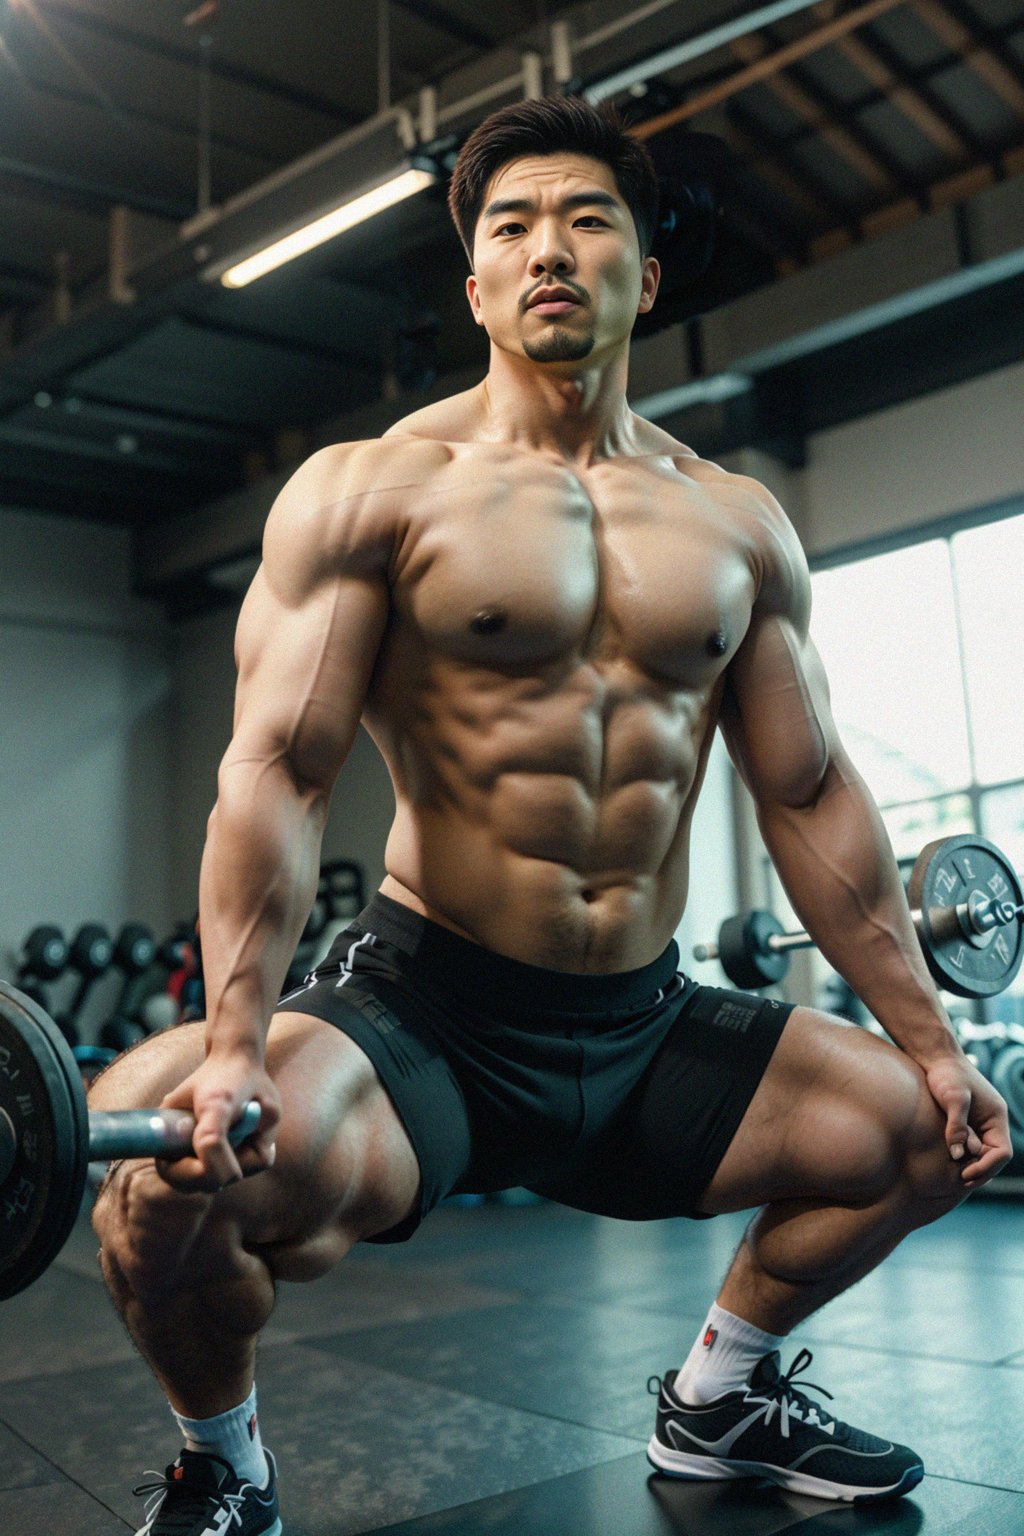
(47,1159)
(948,873)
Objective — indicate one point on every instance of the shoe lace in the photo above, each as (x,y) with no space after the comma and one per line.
(782,1395)
(190,1501)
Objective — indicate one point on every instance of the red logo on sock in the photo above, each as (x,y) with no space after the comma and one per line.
(710,1336)
(252,1428)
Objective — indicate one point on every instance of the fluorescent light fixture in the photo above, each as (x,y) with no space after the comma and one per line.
(402,185)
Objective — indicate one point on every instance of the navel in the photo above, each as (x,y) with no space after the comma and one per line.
(489,621)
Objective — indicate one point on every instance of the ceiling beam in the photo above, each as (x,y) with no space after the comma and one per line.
(919,78)
(962,32)
(94,196)
(764,67)
(920,105)
(188,58)
(839,129)
(180,128)
(946,189)
(444,21)
(766,157)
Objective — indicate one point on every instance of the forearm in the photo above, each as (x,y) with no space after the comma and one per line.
(836,862)
(257,885)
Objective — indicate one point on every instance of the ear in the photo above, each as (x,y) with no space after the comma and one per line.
(649,279)
(473,295)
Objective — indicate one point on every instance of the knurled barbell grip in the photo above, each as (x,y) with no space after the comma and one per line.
(164,1133)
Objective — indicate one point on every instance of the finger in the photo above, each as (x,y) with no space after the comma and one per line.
(975,1145)
(991,1161)
(211,1145)
(188,1176)
(252,1162)
(957,1108)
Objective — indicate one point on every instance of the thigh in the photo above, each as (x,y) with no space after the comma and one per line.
(344,1169)
(829,1119)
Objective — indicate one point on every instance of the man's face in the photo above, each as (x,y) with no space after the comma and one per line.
(558,221)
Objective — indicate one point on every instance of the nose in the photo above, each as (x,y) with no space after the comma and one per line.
(551,251)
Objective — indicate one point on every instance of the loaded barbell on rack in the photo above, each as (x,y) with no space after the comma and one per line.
(967,903)
(48,1138)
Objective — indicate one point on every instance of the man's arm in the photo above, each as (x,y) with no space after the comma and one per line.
(307,641)
(827,839)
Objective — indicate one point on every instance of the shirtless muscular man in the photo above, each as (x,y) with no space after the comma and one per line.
(541,607)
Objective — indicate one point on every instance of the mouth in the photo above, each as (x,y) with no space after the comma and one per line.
(559,303)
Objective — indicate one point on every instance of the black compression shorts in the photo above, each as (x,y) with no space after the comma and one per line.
(617,1094)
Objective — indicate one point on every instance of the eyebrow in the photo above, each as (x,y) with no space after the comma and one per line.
(573,200)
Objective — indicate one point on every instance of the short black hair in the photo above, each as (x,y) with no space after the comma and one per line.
(554,125)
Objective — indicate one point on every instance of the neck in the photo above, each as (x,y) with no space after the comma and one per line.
(576,410)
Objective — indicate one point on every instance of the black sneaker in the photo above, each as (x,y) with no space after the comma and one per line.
(201,1496)
(772,1430)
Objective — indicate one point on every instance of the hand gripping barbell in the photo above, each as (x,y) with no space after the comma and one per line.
(48,1139)
(967,906)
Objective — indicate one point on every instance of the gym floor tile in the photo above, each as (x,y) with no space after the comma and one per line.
(624,1498)
(20,1465)
(357,1296)
(974,1316)
(616,1498)
(358,1447)
(61,1323)
(589,1365)
(582,1364)
(56,1508)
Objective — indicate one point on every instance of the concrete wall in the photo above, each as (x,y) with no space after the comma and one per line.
(952,451)
(85,684)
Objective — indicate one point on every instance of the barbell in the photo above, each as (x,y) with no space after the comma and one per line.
(48,1138)
(967,904)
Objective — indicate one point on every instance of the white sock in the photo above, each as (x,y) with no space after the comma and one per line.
(723,1356)
(234,1436)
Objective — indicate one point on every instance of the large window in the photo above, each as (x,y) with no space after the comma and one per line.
(924,650)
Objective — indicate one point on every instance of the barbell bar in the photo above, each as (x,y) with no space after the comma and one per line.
(48,1138)
(972,938)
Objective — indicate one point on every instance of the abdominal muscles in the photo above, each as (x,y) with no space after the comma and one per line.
(548,818)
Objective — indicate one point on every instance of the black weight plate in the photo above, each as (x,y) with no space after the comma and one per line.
(948,871)
(743,951)
(41,1093)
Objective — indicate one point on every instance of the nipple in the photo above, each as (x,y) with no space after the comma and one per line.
(718,644)
(488,621)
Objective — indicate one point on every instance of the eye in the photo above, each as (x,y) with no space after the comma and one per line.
(502,227)
(592,218)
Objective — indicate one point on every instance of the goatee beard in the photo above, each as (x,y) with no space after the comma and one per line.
(559,346)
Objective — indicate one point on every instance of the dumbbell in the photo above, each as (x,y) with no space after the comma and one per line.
(44,955)
(133,955)
(48,1139)
(91,953)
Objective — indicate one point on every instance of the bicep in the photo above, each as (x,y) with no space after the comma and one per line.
(311,625)
(776,713)
(304,669)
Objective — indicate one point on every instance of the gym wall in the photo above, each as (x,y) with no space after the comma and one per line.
(85,684)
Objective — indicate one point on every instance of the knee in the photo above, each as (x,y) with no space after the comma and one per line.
(932,1180)
(155,1240)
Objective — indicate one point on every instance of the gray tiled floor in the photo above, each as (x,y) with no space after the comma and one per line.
(490,1377)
